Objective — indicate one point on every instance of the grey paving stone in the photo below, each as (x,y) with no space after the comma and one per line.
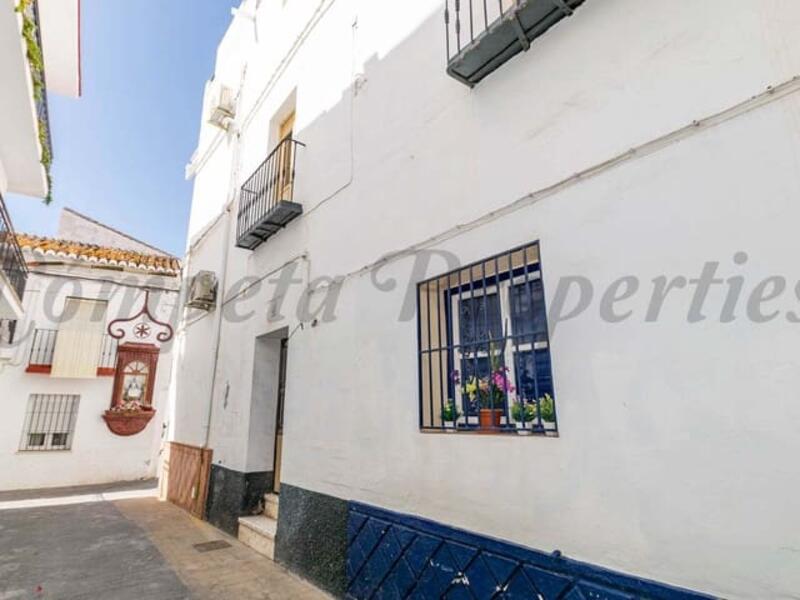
(79,552)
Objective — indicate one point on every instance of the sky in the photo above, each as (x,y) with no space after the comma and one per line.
(120,150)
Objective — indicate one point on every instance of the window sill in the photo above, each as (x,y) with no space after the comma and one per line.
(477,431)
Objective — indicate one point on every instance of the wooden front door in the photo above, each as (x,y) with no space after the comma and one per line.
(286,157)
(279,420)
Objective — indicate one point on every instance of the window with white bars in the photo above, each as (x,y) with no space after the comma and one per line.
(49,422)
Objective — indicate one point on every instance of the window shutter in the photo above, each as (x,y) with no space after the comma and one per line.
(80,338)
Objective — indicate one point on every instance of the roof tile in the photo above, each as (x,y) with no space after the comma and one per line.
(99,254)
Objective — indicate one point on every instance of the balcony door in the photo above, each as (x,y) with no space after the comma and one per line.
(285,158)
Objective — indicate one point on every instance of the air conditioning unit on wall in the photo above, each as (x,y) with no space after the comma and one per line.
(222,105)
(202,291)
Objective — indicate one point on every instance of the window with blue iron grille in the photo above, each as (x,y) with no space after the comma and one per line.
(484,348)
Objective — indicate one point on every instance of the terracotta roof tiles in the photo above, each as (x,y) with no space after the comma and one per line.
(169,265)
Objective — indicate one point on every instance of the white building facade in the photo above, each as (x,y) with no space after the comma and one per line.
(95,340)
(407,215)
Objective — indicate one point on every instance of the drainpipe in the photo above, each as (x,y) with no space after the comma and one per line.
(218,325)
(229,223)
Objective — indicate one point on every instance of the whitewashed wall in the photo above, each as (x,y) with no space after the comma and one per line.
(75,226)
(97,455)
(674,460)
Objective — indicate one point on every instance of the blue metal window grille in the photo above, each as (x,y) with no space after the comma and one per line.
(484,346)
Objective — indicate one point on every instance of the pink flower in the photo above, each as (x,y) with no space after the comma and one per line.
(500,380)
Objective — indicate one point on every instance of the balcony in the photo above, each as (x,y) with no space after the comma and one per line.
(266,203)
(13,271)
(482,35)
(40,90)
(43,346)
(25,146)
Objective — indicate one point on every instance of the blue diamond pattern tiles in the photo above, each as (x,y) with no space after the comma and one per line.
(394,557)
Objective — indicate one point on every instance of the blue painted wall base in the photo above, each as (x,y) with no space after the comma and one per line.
(393,556)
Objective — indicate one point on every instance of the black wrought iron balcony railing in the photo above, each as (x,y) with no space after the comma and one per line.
(8,330)
(266,203)
(43,347)
(12,262)
(484,34)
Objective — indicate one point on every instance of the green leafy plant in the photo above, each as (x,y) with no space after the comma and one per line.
(523,412)
(33,50)
(450,412)
(547,408)
(46,158)
(36,62)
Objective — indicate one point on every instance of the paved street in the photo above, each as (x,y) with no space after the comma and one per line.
(138,549)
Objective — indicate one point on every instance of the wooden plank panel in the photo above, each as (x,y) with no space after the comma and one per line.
(186,471)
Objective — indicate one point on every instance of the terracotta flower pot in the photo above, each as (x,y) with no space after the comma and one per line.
(130,423)
(490,418)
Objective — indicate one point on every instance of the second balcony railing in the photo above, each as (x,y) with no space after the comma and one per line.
(43,347)
(266,203)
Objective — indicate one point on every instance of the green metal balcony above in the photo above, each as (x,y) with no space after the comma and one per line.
(484,34)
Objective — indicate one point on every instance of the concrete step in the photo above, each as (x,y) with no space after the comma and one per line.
(259,534)
(271,505)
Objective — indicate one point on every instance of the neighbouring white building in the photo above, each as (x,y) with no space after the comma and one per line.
(427,243)
(84,375)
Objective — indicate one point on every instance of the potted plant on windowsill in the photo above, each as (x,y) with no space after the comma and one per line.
(128,418)
(492,405)
(493,394)
(523,413)
(450,414)
(547,411)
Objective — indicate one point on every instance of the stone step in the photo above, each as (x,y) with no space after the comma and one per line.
(271,505)
(259,534)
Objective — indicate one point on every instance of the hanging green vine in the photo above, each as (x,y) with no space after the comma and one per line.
(46,158)
(36,61)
